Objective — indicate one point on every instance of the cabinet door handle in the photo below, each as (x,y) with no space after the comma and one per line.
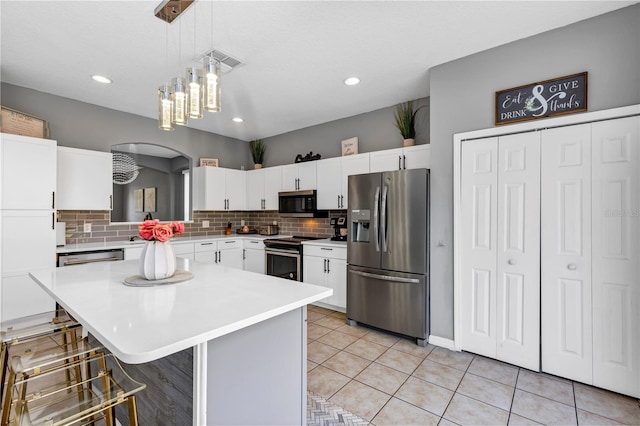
(230,242)
(244,254)
(404,162)
(219,256)
(111,202)
(53,200)
(572,267)
(512,262)
(53,220)
(399,162)
(342,201)
(328,263)
(326,248)
(325,266)
(206,244)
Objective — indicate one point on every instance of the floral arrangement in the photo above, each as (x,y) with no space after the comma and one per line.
(152,230)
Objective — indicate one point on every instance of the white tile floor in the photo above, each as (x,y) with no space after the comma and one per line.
(388,380)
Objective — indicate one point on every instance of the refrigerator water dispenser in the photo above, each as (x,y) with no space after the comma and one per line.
(360,223)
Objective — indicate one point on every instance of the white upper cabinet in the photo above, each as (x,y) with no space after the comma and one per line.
(84,179)
(333,175)
(216,188)
(263,186)
(413,157)
(28,174)
(299,176)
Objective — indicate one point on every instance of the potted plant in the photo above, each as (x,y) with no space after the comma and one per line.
(405,120)
(257,148)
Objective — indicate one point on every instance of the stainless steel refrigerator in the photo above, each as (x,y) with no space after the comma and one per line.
(388,251)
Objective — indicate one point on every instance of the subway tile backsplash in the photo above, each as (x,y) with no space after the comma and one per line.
(102,230)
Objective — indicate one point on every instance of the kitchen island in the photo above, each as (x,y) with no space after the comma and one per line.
(243,333)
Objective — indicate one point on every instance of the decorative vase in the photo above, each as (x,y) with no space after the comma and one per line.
(257,166)
(409,142)
(157,261)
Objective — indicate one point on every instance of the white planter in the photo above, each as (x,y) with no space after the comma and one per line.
(157,261)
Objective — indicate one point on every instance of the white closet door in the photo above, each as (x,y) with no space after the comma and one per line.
(616,255)
(566,252)
(479,249)
(518,255)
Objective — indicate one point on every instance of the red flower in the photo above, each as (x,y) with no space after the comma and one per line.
(162,233)
(151,230)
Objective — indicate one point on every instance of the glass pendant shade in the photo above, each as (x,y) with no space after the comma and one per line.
(165,108)
(211,71)
(196,92)
(180,98)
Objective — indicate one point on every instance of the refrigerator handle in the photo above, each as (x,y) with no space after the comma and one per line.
(387,277)
(376,208)
(383,219)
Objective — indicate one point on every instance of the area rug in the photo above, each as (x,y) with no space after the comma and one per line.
(321,412)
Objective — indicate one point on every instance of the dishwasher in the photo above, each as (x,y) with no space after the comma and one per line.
(82,257)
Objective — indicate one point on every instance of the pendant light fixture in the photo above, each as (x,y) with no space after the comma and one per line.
(165,103)
(194,80)
(212,92)
(196,98)
(180,95)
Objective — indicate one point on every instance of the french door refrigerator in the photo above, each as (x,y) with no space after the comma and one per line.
(387,251)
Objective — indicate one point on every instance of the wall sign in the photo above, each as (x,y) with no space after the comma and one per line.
(562,95)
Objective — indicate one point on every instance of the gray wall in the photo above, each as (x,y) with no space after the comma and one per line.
(82,125)
(462,99)
(375,131)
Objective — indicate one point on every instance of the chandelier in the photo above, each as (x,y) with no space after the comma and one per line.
(200,89)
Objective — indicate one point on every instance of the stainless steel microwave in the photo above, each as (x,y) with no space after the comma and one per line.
(299,204)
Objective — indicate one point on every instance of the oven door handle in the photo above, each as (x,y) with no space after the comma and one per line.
(289,253)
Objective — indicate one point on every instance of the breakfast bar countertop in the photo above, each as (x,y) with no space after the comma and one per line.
(141,324)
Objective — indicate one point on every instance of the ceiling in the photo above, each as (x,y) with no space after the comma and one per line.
(295,54)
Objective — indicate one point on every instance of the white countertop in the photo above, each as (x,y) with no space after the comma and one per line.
(72,248)
(141,324)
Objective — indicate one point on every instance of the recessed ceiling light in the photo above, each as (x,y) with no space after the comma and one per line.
(237,119)
(101,79)
(351,81)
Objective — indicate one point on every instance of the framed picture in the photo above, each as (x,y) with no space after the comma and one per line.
(138,200)
(149,199)
(208,162)
(350,146)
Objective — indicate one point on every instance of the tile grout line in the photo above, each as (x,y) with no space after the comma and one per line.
(513,397)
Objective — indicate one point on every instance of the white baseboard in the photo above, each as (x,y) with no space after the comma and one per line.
(442,342)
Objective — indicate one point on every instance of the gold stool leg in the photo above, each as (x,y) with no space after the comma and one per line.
(4,365)
(133,410)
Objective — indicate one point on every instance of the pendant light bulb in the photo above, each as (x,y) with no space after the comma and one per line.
(165,108)
(196,94)
(212,86)
(180,98)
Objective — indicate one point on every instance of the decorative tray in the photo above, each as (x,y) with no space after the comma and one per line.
(140,281)
(251,231)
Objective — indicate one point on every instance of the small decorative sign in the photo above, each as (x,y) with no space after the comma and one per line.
(558,96)
(350,146)
(208,162)
(19,123)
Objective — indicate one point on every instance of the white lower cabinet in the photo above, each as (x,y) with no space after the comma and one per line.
(28,243)
(253,255)
(224,252)
(184,250)
(327,266)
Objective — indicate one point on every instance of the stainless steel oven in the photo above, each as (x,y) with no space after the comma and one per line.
(284,263)
(284,257)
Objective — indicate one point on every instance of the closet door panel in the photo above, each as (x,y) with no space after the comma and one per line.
(616,255)
(566,252)
(479,227)
(518,251)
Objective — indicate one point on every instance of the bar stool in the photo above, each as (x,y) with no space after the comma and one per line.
(32,327)
(48,399)
(43,354)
